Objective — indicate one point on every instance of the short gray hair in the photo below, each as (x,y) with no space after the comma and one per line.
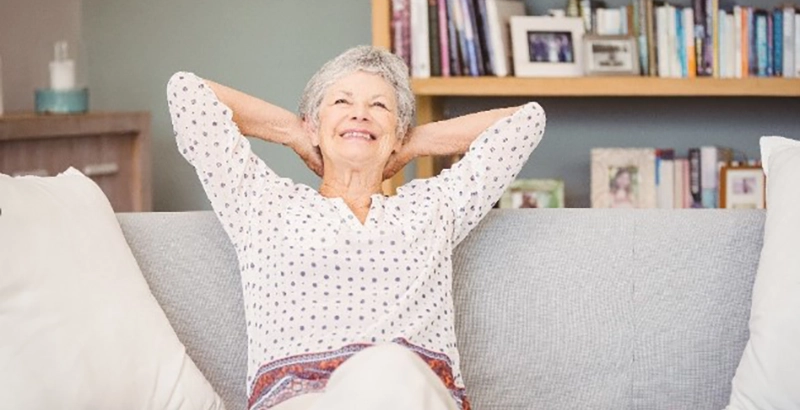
(369,59)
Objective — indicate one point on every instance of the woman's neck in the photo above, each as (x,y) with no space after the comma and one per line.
(355,188)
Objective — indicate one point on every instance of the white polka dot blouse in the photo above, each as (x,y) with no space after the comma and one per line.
(318,285)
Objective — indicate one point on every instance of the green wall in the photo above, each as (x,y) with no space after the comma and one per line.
(269,48)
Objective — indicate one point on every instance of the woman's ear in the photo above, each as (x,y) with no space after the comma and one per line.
(311,130)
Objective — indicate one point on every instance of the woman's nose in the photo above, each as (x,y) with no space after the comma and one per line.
(360,112)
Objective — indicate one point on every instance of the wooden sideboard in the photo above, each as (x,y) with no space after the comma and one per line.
(111,148)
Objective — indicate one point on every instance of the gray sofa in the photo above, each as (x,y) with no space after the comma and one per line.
(556,309)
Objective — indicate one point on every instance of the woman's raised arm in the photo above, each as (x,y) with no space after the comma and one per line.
(260,119)
(207,136)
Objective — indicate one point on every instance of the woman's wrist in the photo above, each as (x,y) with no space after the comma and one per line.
(415,143)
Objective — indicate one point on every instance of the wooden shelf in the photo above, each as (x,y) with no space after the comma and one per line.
(606,87)
(430,92)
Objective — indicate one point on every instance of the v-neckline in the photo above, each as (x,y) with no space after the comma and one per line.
(350,217)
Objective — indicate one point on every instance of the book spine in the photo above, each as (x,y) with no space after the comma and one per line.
(482,19)
(640,27)
(651,38)
(789,40)
(761,44)
(662,41)
(744,43)
(688,29)
(709,173)
(753,50)
(452,40)
(797,45)
(420,50)
(695,178)
(401,30)
(714,12)
(737,45)
(462,38)
(681,66)
(444,33)
(777,59)
(770,45)
(469,37)
(435,53)
(698,7)
(476,35)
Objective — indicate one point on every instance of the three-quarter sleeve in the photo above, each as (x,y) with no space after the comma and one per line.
(475,183)
(232,176)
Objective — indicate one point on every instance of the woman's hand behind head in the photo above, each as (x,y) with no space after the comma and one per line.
(397,161)
(309,153)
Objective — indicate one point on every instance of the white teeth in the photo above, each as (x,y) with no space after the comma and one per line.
(354,134)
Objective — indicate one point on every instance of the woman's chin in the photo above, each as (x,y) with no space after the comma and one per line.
(359,160)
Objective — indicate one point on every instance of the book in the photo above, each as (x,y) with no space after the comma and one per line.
(453,40)
(711,157)
(444,33)
(482,33)
(689,42)
(700,41)
(473,48)
(665,178)
(420,49)
(401,30)
(435,53)
(796,45)
(789,39)
(777,34)
(498,16)
(695,177)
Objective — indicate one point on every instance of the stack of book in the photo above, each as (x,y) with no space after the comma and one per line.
(658,178)
(706,39)
(471,37)
(454,37)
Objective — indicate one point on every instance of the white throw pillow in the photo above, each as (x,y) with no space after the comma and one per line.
(79,327)
(768,376)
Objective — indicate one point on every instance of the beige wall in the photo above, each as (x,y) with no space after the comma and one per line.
(28,29)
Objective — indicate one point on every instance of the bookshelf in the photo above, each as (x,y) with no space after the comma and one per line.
(431,92)
(605,87)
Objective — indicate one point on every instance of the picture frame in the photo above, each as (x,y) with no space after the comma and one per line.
(623,178)
(742,187)
(610,55)
(547,46)
(533,193)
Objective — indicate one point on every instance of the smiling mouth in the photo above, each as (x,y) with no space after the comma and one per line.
(358,135)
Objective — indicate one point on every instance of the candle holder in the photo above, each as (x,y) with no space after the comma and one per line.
(63,96)
(73,101)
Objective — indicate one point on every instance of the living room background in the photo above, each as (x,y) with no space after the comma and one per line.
(271,48)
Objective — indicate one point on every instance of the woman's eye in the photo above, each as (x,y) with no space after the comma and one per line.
(340,101)
(379,104)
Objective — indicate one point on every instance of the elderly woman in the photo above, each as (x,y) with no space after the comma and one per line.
(347,292)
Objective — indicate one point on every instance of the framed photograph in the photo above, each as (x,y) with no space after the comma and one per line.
(742,187)
(547,46)
(610,55)
(623,178)
(534,193)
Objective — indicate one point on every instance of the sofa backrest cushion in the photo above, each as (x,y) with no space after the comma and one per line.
(556,309)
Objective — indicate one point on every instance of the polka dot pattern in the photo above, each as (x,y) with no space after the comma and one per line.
(316,279)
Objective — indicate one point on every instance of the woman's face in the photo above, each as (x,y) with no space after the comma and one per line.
(358,122)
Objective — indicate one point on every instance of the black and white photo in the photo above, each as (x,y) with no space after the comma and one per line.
(611,55)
